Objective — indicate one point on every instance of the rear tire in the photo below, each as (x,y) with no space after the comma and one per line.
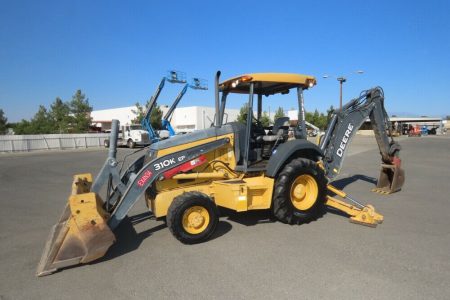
(192,217)
(106,143)
(131,144)
(300,192)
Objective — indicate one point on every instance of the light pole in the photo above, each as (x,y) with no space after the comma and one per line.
(341,80)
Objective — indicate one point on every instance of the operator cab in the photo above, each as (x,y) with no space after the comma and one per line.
(254,144)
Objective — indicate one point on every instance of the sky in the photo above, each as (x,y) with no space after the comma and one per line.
(116,52)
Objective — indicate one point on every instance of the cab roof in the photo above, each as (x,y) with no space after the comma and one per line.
(267,83)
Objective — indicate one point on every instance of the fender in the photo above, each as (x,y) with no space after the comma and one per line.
(285,151)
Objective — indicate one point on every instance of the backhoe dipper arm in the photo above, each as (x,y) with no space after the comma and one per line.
(345,123)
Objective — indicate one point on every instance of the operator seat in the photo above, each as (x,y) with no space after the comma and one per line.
(279,131)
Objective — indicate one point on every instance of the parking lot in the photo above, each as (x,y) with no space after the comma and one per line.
(250,256)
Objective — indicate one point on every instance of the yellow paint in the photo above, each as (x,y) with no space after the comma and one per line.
(366,215)
(160,205)
(244,194)
(304,192)
(295,79)
(195,219)
(239,194)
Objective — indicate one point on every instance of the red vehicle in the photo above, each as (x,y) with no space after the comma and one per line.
(414,131)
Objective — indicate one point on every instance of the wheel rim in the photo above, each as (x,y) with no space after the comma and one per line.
(195,219)
(304,192)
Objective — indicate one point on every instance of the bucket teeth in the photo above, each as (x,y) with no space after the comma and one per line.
(381,191)
(391,180)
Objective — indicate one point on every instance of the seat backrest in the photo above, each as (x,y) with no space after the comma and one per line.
(281,123)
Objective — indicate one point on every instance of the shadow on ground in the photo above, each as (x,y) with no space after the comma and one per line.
(128,240)
(343,182)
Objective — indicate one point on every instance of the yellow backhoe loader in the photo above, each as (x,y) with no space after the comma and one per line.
(233,165)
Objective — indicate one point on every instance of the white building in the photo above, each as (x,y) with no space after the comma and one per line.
(187,119)
(184,119)
(102,118)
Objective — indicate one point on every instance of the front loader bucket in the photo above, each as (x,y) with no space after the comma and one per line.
(391,180)
(81,235)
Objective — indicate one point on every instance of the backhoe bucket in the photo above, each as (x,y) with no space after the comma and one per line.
(391,180)
(81,235)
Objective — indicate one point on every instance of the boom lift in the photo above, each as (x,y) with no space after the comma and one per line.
(233,165)
(173,77)
(197,84)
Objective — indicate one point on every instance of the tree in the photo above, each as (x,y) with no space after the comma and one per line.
(265,119)
(60,116)
(139,112)
(155,115)
(3,122)
(23,127)
(41,122)
(242,116)
(317,119)
(80,112)
(279,113)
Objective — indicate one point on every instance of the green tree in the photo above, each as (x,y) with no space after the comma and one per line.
(23,127)
(41,123)
(155,116)
(317,119)
(60,116)
(265,119)
(3,122)
(279,113)
(80,112)
(242,116)
(139,112)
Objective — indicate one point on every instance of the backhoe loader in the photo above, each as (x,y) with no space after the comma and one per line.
(233,165)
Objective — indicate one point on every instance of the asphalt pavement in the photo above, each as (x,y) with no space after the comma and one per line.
(250,256)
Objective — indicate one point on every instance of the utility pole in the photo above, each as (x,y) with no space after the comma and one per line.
(341,81)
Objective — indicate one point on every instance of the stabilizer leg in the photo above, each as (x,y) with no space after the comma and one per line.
(359,213)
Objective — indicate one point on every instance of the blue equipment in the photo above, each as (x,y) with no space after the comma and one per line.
(197,84)
(173,77)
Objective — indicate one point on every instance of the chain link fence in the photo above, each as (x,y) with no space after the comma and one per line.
(26,143)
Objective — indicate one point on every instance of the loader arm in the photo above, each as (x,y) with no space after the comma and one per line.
(342,128)
(85,230)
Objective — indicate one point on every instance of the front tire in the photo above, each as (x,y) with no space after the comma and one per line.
(192,217)
(131,144)
(300,192)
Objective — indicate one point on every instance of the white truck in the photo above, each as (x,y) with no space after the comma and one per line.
(131,136)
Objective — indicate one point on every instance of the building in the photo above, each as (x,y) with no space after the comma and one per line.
(184,119)
(401,123)
(102,118)
(188,119)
